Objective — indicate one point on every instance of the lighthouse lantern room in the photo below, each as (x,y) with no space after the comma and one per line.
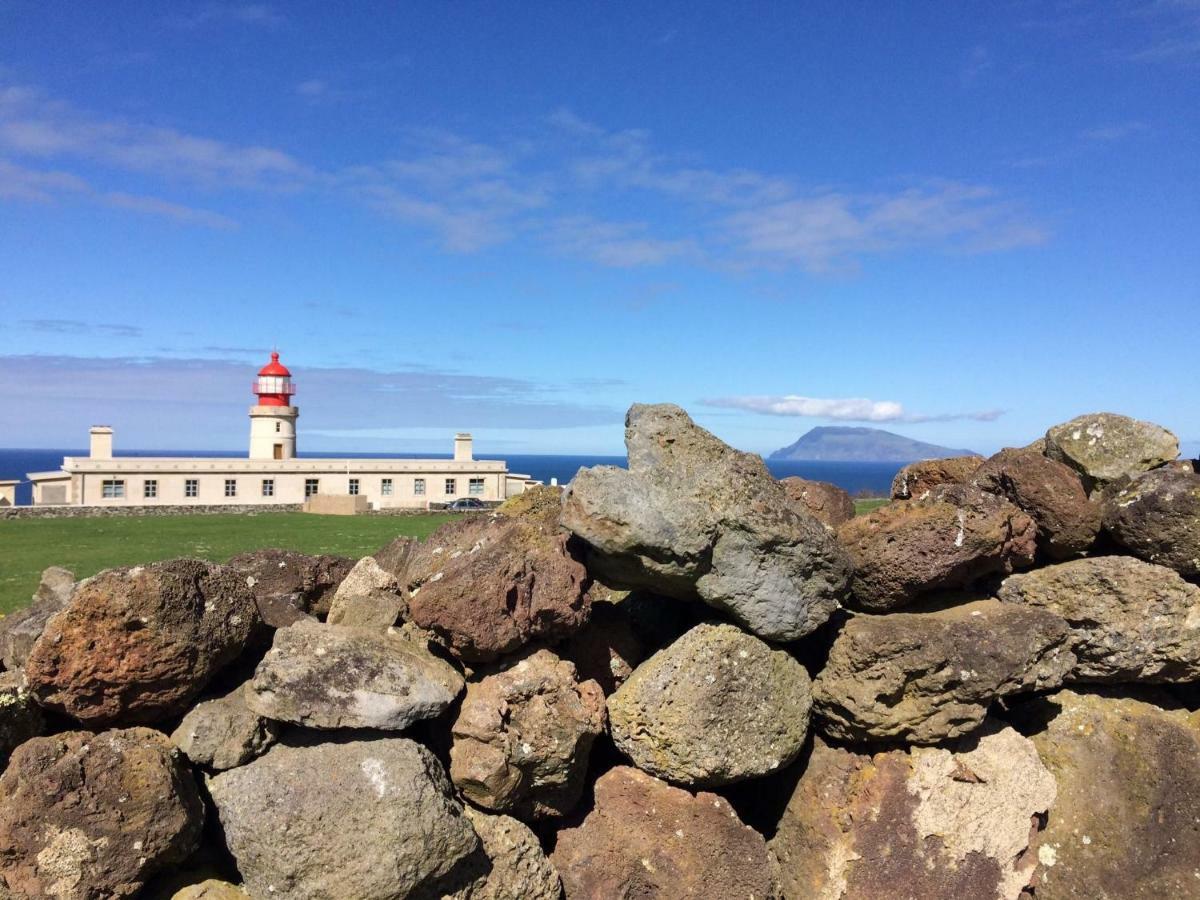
(273,417)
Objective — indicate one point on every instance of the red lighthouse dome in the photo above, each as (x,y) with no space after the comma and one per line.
(274,385)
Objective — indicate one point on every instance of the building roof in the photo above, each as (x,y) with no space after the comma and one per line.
(275,367)
(167,464)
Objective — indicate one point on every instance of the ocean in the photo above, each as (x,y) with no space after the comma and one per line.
(873,478)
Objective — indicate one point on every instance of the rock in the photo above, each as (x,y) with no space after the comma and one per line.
(1130,620)
(513,865)
(953,537)
(1104,446)
(368,596)
(916,480)
(1125,822)
(928,823)
(647,839)
(1157,516)
(20,716)
(490,584)
(715,707)
(138,644)
(925,677)
(288,585)
(523,735)
(826,502)
(543,502)
(212,889)
(362,818)
(85,816)
(1051,493)
(693,518)
(608,650)
(21,628)
(339,676)
(224,733)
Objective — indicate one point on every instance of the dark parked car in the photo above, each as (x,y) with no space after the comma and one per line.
(462,504)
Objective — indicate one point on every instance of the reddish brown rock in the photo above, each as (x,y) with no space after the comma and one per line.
(487,585)
(927,824)
(917,479)
(950,539)
(645,839)
(1051,493)
(826,502)
(523,735)
(87,816)
(543,502)
(138,644)
(287,585)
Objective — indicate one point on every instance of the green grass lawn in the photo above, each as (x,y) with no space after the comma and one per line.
(86,545)
(865,506)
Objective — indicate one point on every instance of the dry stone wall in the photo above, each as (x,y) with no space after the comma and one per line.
(681,680)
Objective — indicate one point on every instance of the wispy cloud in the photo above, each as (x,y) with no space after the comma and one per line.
(553,187)
(255,14)
(53,398)
(75,326)
(1114,132)
(845,409)
(33,125)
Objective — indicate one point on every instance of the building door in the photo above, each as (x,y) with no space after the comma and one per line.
(279,451)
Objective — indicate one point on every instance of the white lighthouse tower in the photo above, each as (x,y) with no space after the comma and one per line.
(273,418)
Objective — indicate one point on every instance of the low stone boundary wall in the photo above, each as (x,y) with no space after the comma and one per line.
(84,512)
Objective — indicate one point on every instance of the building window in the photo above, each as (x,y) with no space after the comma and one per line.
(150,488)
(419,487)
(191,487)
(230,487)
(268,487)
(352,488)
(311,486)
(385,487)
(112,490)
(451,487)
(278,427)
(475,487)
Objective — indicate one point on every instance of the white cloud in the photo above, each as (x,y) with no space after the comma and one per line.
(621,245)
(846,409)
(1115,132)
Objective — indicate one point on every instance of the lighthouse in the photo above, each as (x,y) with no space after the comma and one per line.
(273,418)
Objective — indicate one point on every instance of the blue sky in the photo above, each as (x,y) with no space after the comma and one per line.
(960,221)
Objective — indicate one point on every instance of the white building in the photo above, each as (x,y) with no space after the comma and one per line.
(272,473)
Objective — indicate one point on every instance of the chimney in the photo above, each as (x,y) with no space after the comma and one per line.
(101,442)
(462,447)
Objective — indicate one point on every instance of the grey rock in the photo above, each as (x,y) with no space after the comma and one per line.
(693,518)
(930,823)
(523,736)
(513,865)
(20,716)
(224,732)
(359,820)
(368,596)
(19,630)
(924,677)
(1103,447)
(339,676)
(716,706)
(1156,516)
(1130,620)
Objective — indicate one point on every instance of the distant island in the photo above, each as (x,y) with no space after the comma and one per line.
(833,443)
